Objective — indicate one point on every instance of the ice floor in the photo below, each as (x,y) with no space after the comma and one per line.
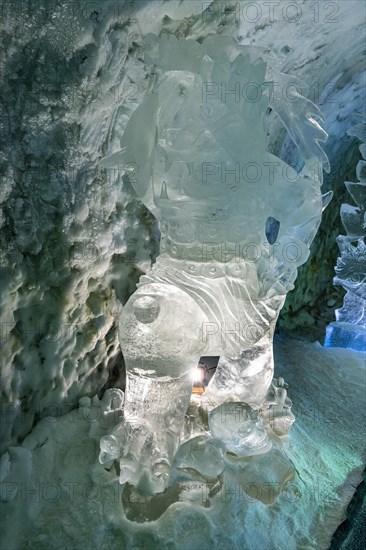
(56,494)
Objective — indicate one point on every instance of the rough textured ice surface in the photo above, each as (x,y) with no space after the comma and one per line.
(74,239)
(57,494)
(349,330)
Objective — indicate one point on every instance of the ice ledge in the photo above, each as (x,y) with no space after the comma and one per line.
(345,335)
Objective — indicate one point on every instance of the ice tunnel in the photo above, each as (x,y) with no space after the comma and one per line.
(183,275)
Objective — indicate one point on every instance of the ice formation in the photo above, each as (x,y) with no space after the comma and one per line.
(75,239)
(349,330)
(236,222)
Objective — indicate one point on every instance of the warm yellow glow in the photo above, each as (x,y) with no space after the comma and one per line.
(198,375)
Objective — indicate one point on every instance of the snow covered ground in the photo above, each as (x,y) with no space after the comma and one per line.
(58,495)
(74,239)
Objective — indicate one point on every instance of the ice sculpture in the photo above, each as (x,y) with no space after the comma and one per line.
(349,330)
(236,222)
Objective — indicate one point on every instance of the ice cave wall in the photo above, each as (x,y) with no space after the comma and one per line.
(74,239)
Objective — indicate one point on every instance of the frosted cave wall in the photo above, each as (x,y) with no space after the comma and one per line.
(310,306)
(74,239)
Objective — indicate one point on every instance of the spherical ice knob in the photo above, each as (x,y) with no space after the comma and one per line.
(146,309)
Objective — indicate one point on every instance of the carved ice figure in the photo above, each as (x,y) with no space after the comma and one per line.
(236,222)
(349,330)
